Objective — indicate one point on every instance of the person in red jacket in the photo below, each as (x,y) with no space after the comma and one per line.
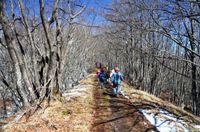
(97,73)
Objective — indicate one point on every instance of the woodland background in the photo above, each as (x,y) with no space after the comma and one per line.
(47,46)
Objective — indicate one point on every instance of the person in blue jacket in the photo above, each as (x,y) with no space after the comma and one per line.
(102,78)
(116,79)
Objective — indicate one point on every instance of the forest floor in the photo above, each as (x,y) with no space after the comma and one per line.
(89,108)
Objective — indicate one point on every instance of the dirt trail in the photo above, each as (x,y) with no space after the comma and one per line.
(117,114)
(89,108)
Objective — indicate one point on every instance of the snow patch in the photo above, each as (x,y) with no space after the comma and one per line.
(197,126)
(166,122)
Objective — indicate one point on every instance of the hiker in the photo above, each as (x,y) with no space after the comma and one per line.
(107,75)
(111,73)
(98,64)
(102,78)
(116,79)
(97,73)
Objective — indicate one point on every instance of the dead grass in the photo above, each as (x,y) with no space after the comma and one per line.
(141,97)
(75,115)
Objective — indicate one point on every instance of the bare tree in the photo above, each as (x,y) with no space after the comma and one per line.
(46,51)
(160,41)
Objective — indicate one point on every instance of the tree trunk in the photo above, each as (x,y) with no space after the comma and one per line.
(10,42)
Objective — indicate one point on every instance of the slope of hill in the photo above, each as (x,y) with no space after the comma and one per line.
(89,108)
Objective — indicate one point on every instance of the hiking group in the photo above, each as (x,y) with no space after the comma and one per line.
(113,77)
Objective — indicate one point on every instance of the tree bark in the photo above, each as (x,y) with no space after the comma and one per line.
(10,42)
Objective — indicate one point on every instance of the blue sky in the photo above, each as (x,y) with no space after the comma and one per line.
(93,13)
(95,3)
(97,7)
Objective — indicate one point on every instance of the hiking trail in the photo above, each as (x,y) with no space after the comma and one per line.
(88,108)
(116,114)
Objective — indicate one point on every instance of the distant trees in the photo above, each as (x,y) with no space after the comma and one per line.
(44,46)
(45,50)
(156,43)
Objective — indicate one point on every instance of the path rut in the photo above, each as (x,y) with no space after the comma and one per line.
(117,114)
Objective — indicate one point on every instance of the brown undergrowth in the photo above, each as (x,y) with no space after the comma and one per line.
(143,99)
(96,110)
(75,115)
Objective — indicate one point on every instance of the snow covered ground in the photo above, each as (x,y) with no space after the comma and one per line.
(167,122)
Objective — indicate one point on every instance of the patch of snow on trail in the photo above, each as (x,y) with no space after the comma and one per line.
(164,121)
(197,126)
